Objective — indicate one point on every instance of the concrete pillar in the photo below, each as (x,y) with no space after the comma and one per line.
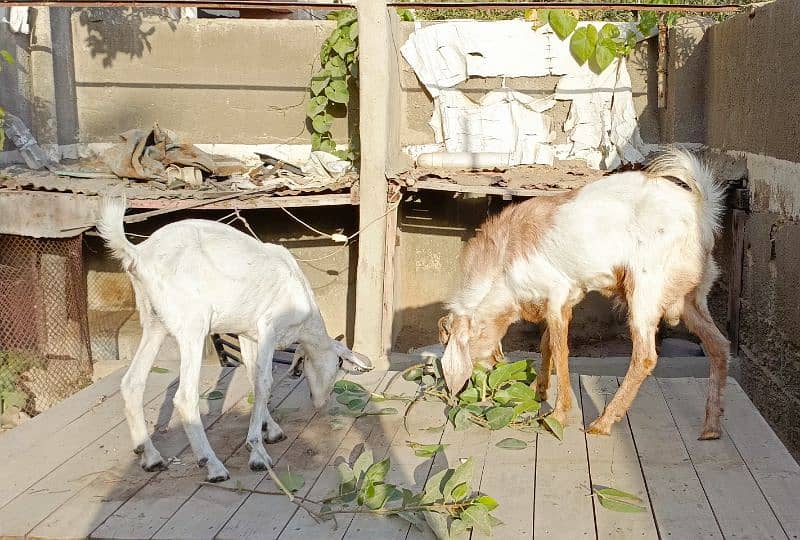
(43,87)
(374,91)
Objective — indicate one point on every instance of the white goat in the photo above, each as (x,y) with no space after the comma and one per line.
(645,238)
(196,277)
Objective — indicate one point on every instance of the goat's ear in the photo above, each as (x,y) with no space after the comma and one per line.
(456,361)
(444,328)
(296,369)
(360,361)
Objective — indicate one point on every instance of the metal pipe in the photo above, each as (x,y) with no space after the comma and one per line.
(591,6)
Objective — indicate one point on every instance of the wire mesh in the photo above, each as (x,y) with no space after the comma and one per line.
(44,333)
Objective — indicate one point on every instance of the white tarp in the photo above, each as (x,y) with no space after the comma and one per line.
(601,127)
(17,18)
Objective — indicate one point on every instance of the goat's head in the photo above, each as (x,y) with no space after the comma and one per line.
(321,364)
(469,339)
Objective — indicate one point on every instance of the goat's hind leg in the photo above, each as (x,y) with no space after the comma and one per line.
(698,320)
(543,377)
(557,332)
(274,433)
(132,390)
(261,376)
(187,402)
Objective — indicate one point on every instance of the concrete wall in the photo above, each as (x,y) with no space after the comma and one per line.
(736,87)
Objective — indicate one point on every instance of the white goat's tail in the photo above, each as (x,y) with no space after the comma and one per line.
(696,174)
(111,229)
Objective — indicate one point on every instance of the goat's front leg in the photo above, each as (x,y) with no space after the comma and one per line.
(643,361)
(557,331)
(249,350)
(543,377)
(261,377)
(187,402)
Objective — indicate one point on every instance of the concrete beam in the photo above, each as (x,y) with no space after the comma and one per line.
(374,92)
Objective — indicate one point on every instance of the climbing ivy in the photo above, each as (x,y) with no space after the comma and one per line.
(330,86)
(587,44)
(6,56)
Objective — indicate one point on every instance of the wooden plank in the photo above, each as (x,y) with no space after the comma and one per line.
(38,460)
(774,469)
(267,201)
(735,497)
(146,511)
(389,276)
(739,220)
(613,462)
(90,507)
(510,477)
(563,484)
(264,516)
(98,460)
(442,185)
(677,498)
(45,425)
(407,470)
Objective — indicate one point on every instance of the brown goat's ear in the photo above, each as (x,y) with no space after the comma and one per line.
(456,361)
(444,329)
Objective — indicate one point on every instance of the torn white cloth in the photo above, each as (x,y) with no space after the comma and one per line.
(602,124)
(17,19)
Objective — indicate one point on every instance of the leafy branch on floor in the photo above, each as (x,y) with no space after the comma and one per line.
(330,86)
(494,398)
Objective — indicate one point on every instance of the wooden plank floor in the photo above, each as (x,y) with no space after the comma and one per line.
(70,472)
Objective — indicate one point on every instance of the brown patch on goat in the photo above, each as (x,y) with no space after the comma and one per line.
(533,313)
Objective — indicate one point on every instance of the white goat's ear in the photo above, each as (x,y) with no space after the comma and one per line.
(360,361)
(456,361)
(444,328)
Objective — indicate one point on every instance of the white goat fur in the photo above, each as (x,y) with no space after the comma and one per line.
(637,236)
(196,277)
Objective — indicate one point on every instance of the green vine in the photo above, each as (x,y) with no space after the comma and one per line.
(6,56)
(330,86)
(13,366)
(587,44)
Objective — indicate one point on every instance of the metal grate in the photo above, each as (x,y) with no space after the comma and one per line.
(44,337)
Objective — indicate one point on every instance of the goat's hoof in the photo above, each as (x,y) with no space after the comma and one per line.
(709,435)
(272,439)
(202,462)
(218,478)
(598,428)
(258,466)
(139,450)
(153,467)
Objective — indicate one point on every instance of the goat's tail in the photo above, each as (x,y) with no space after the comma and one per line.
(111,229)
(696,174)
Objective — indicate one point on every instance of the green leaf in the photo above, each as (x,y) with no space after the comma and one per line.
(156,369)
(376,472)
(512,444)
(377,495)
(345,17)
(648,20)
(251,398)
(428,380)
(413,374)
(488,502)
(414,518)
(384,411)
(462,473)
(213,395)
(457,528)
(433,487)
(362,463)
(604,54)
(499,417)
(609,31)
(526,407)
(336,67)
(479,376)
(521,392)
(477,516)
(619,505)
(617,494)
(462,420)
(470,395)
(292,481)
(581,45)
(319,82)
(315,106)
(554,426)
(460,492)
(337,91)
(344,473)
(562,23)
(344,385)
(501,397)
(322,122)
(355,404)
(438,524)
(327,145)
(353,31)
(426,450)
(7,56)
(507,372)
(435,429)
(343,46)
(13,398)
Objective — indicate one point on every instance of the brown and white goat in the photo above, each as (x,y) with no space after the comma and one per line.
(644,238)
